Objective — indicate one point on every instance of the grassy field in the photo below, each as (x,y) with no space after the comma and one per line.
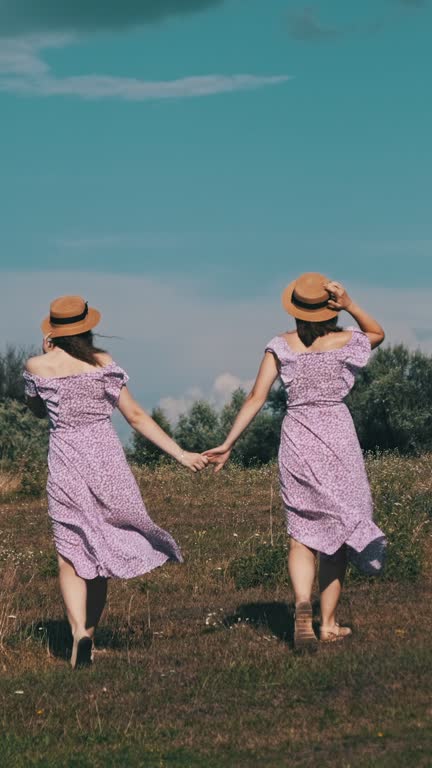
(193,671)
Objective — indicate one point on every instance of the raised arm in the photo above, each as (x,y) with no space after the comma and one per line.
(146,426)
(341,300)
(255,400)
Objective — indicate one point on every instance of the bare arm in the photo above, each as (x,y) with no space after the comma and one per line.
(143,423)
(266,377)
(341,300)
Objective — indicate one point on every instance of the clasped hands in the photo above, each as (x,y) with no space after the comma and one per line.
(196,462)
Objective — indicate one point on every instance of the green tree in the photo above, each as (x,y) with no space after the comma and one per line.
(143,451)
(391,403)
(12,363)
(259,443)
(22,436)
(198,429)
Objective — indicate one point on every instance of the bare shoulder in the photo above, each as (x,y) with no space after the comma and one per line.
(35,364)
(335,340)
(104,358)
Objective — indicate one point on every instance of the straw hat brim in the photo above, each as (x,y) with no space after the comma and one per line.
(312,315)
(90,321)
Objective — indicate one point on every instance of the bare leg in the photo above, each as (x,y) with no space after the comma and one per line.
(331,578)
(74,592)
(96,599)
(301,566)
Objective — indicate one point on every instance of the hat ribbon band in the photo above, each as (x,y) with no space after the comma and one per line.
(304,305)
(69,320)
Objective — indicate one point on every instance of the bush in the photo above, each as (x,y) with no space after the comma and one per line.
(23,438)
(402,495)
(266,566)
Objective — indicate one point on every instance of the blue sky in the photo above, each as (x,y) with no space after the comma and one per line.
(213,155)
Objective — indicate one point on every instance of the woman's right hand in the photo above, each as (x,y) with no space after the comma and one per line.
(218,456)
(193,461)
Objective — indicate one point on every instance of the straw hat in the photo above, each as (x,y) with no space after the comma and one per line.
(69,315)
(307,299)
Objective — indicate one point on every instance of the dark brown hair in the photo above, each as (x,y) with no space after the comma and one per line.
(309,331)
(80,346)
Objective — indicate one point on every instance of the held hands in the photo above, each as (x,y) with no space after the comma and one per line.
(218,456)
(198,461)
(339,298)
(193,461)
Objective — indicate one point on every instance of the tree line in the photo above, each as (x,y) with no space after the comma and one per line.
(391,405)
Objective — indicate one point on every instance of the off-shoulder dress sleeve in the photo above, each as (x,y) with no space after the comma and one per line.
(358,350)
(30,388)
(278,347)
(115,380)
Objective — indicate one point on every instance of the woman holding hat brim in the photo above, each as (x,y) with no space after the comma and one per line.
(323,479)
(101,527)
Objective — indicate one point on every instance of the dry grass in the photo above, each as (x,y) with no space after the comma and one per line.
(191,672)
(10,484)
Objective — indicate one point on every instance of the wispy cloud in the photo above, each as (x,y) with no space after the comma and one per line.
(25,17)
(131,241)
(414,3)
(306,25)
(23,71)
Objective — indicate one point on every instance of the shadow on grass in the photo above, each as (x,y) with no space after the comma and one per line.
(277,618)
(56,635)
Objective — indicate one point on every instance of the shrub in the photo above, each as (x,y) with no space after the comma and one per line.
(266,566)
(22,437)
(403,500)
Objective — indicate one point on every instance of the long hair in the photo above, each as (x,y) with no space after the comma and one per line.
(80,346)
(308,331)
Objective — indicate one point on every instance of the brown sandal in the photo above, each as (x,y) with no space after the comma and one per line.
(304,637)
(336,635)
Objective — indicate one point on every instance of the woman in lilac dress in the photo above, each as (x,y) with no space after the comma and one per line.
(323,480)
(100,524)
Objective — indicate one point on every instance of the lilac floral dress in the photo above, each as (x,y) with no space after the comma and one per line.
(99,520)
(323,480)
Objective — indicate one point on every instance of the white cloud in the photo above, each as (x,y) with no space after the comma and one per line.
(23,71)
(21,56)
(175,340)
(218,395)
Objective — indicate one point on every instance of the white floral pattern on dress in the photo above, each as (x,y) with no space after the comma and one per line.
(323,479)
(99,520)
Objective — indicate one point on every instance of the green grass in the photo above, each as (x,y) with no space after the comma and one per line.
(195,666)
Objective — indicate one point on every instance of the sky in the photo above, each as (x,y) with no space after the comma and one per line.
(178,162)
